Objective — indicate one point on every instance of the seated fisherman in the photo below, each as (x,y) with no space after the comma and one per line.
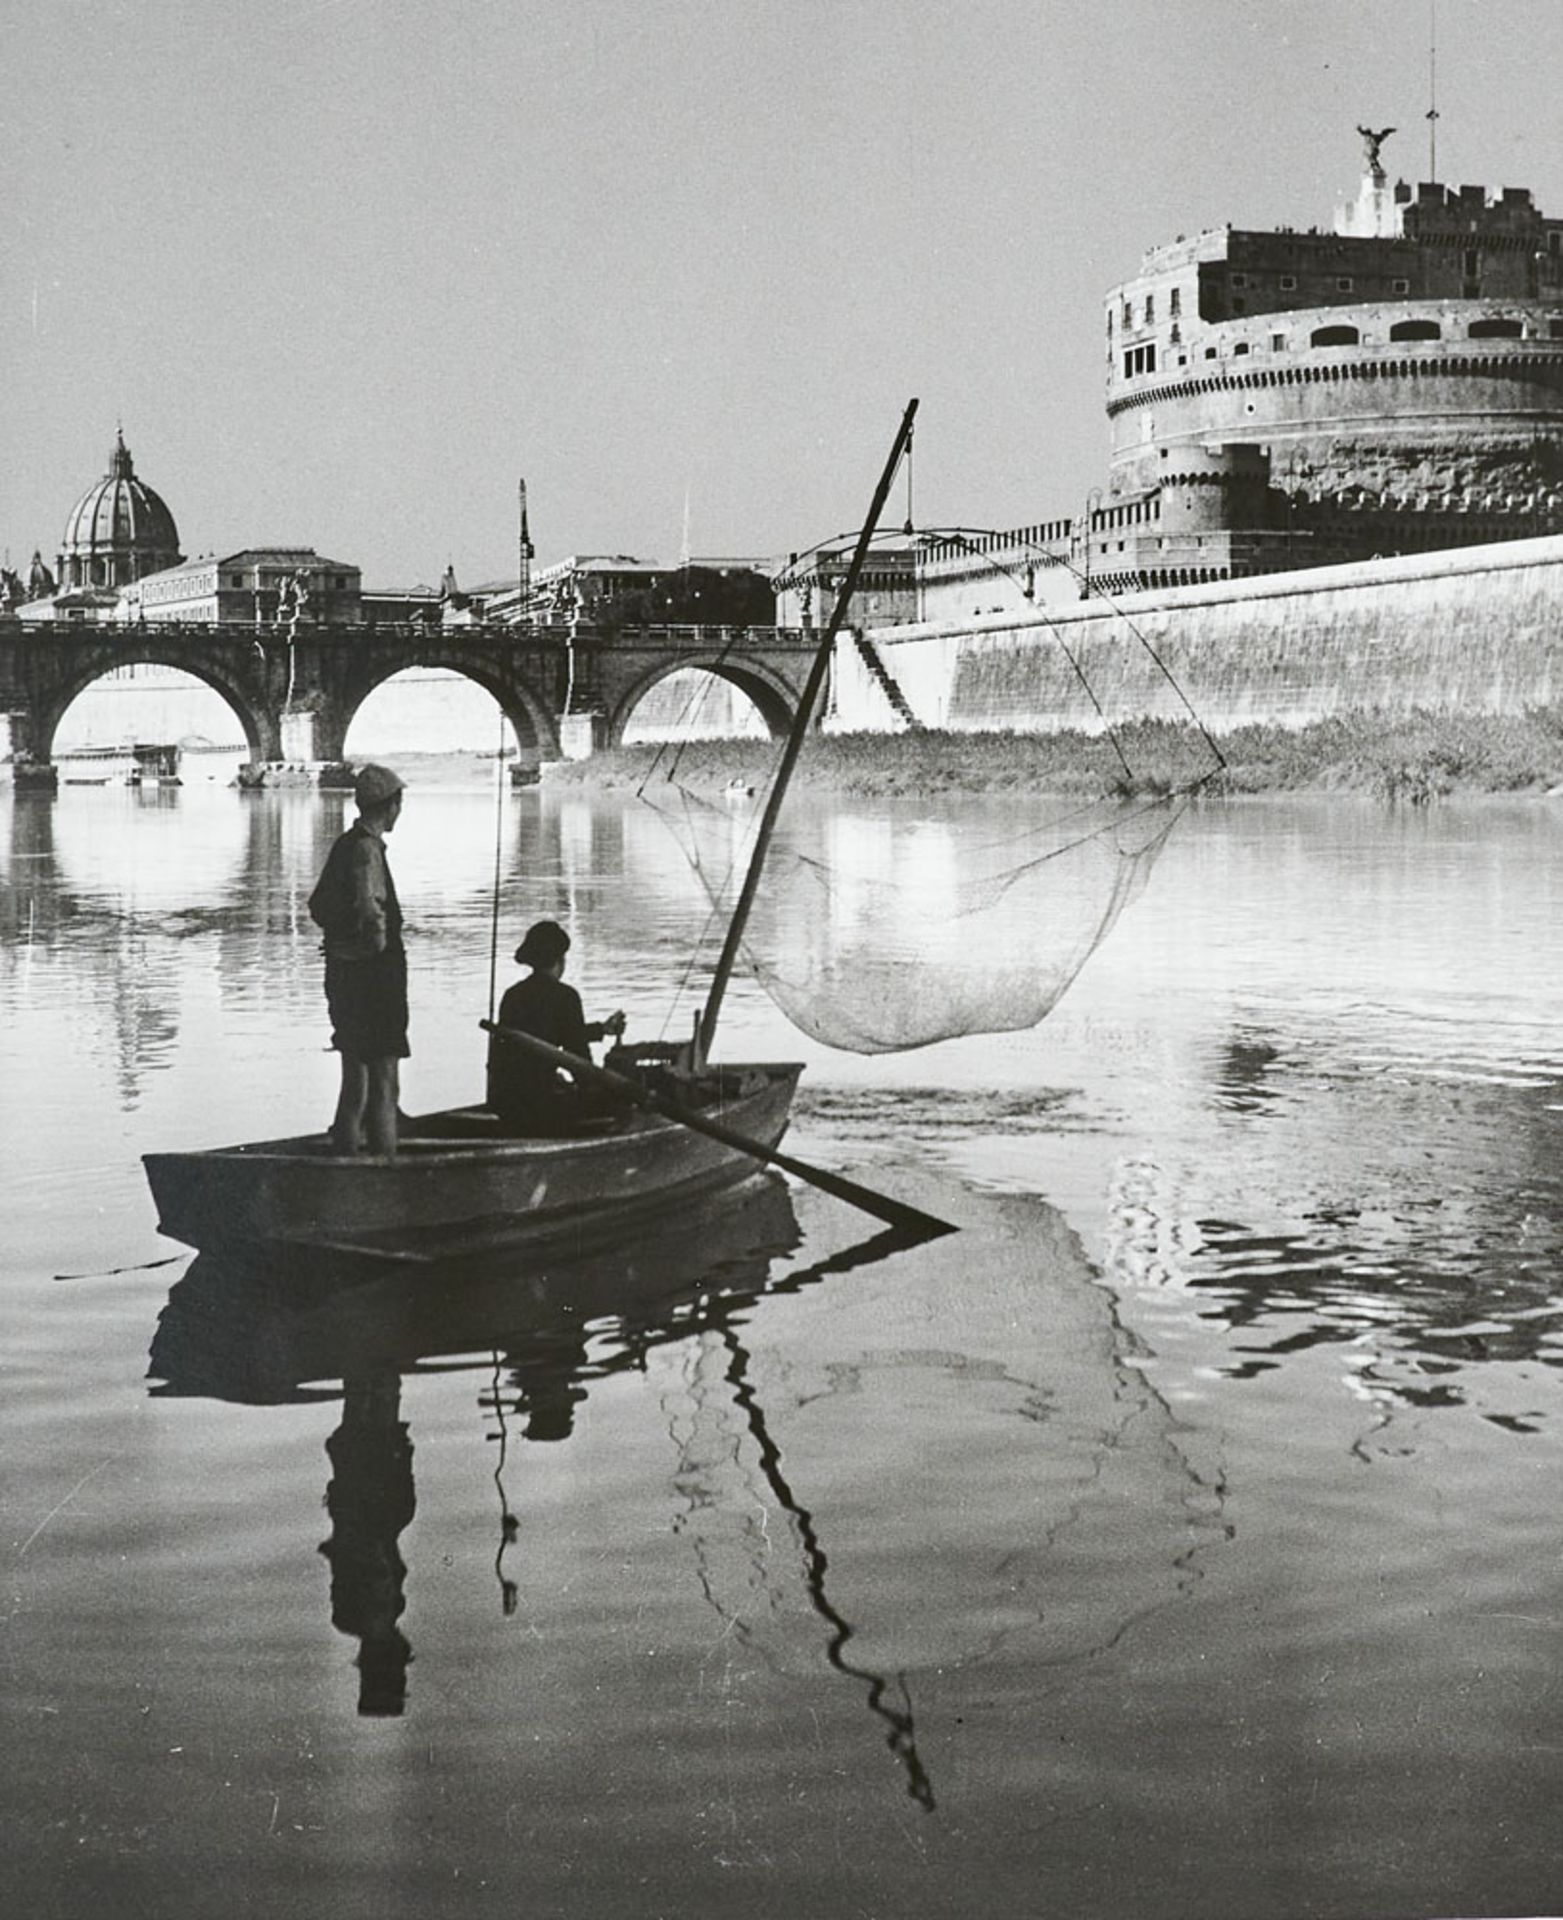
(530,1094)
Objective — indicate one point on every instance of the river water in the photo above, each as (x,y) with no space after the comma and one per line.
(1181,1537)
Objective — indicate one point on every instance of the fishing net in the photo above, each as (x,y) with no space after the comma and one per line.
(877,932)
(883,927)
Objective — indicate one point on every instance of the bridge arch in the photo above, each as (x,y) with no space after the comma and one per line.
(524,707)
(773,697)
(225,674)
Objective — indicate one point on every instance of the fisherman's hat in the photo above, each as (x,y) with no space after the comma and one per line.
(373,785)
(545,943)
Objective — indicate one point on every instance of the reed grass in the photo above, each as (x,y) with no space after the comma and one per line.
(1416,758)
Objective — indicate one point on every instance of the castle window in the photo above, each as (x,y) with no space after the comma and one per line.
(1210,353)
(1277,342)
(1175,300)
(1344,284)
(1400,286)
(1241,347)
(1494,330)
(1150,308)
(1128,313)
(1334,337)
(1416,330)
(1240,280)
(1288,283)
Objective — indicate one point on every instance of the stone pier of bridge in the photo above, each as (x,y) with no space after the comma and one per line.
(295,693)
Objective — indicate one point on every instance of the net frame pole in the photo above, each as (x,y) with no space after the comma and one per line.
(796,736)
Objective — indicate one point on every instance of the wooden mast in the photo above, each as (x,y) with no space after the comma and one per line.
(806,704)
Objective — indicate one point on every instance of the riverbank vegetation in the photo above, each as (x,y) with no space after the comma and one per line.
(1416,758)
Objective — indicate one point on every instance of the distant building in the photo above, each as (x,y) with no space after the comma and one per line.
(260,586)
(118,530)
(420,606)
(119,561)
(606,590)
(806,585)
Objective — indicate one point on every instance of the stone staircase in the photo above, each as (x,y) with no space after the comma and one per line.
(886,681)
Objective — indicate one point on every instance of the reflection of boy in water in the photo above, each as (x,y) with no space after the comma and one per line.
(370,1500)
(527,1092)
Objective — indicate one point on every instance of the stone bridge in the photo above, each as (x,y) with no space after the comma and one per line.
(295,694)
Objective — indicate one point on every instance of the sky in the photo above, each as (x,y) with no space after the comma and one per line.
(346,270)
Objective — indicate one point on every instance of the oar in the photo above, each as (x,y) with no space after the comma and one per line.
(896,1212)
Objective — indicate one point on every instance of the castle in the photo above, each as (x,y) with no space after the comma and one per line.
(1279,400)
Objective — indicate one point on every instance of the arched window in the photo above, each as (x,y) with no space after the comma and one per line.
(1416,330)
(1334,337)
(1494,330)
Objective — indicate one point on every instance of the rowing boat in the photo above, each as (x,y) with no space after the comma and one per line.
(458,1186)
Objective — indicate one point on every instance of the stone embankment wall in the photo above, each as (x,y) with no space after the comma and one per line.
(1475,630)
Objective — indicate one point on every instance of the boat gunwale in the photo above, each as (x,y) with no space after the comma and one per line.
(312,1149)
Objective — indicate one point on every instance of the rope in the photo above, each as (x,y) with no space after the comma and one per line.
(499,826)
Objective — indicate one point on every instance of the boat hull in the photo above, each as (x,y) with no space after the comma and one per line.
(457,1186)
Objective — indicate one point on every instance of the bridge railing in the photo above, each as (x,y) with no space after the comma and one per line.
(560,633)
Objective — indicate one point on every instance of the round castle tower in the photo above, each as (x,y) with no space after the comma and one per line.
(1402,374)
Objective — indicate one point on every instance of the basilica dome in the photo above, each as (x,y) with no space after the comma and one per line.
(118,530)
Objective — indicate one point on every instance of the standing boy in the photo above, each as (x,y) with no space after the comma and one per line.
(355,906)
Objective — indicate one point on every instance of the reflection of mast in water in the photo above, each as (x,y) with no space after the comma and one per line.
(509,1525)
(255,1334)
(902,1737)
(701,1458)
(370,1500)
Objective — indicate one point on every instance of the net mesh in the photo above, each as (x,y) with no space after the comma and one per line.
(878,932)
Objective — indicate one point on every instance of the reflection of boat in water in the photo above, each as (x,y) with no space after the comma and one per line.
(259,1333)
(262,1329)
